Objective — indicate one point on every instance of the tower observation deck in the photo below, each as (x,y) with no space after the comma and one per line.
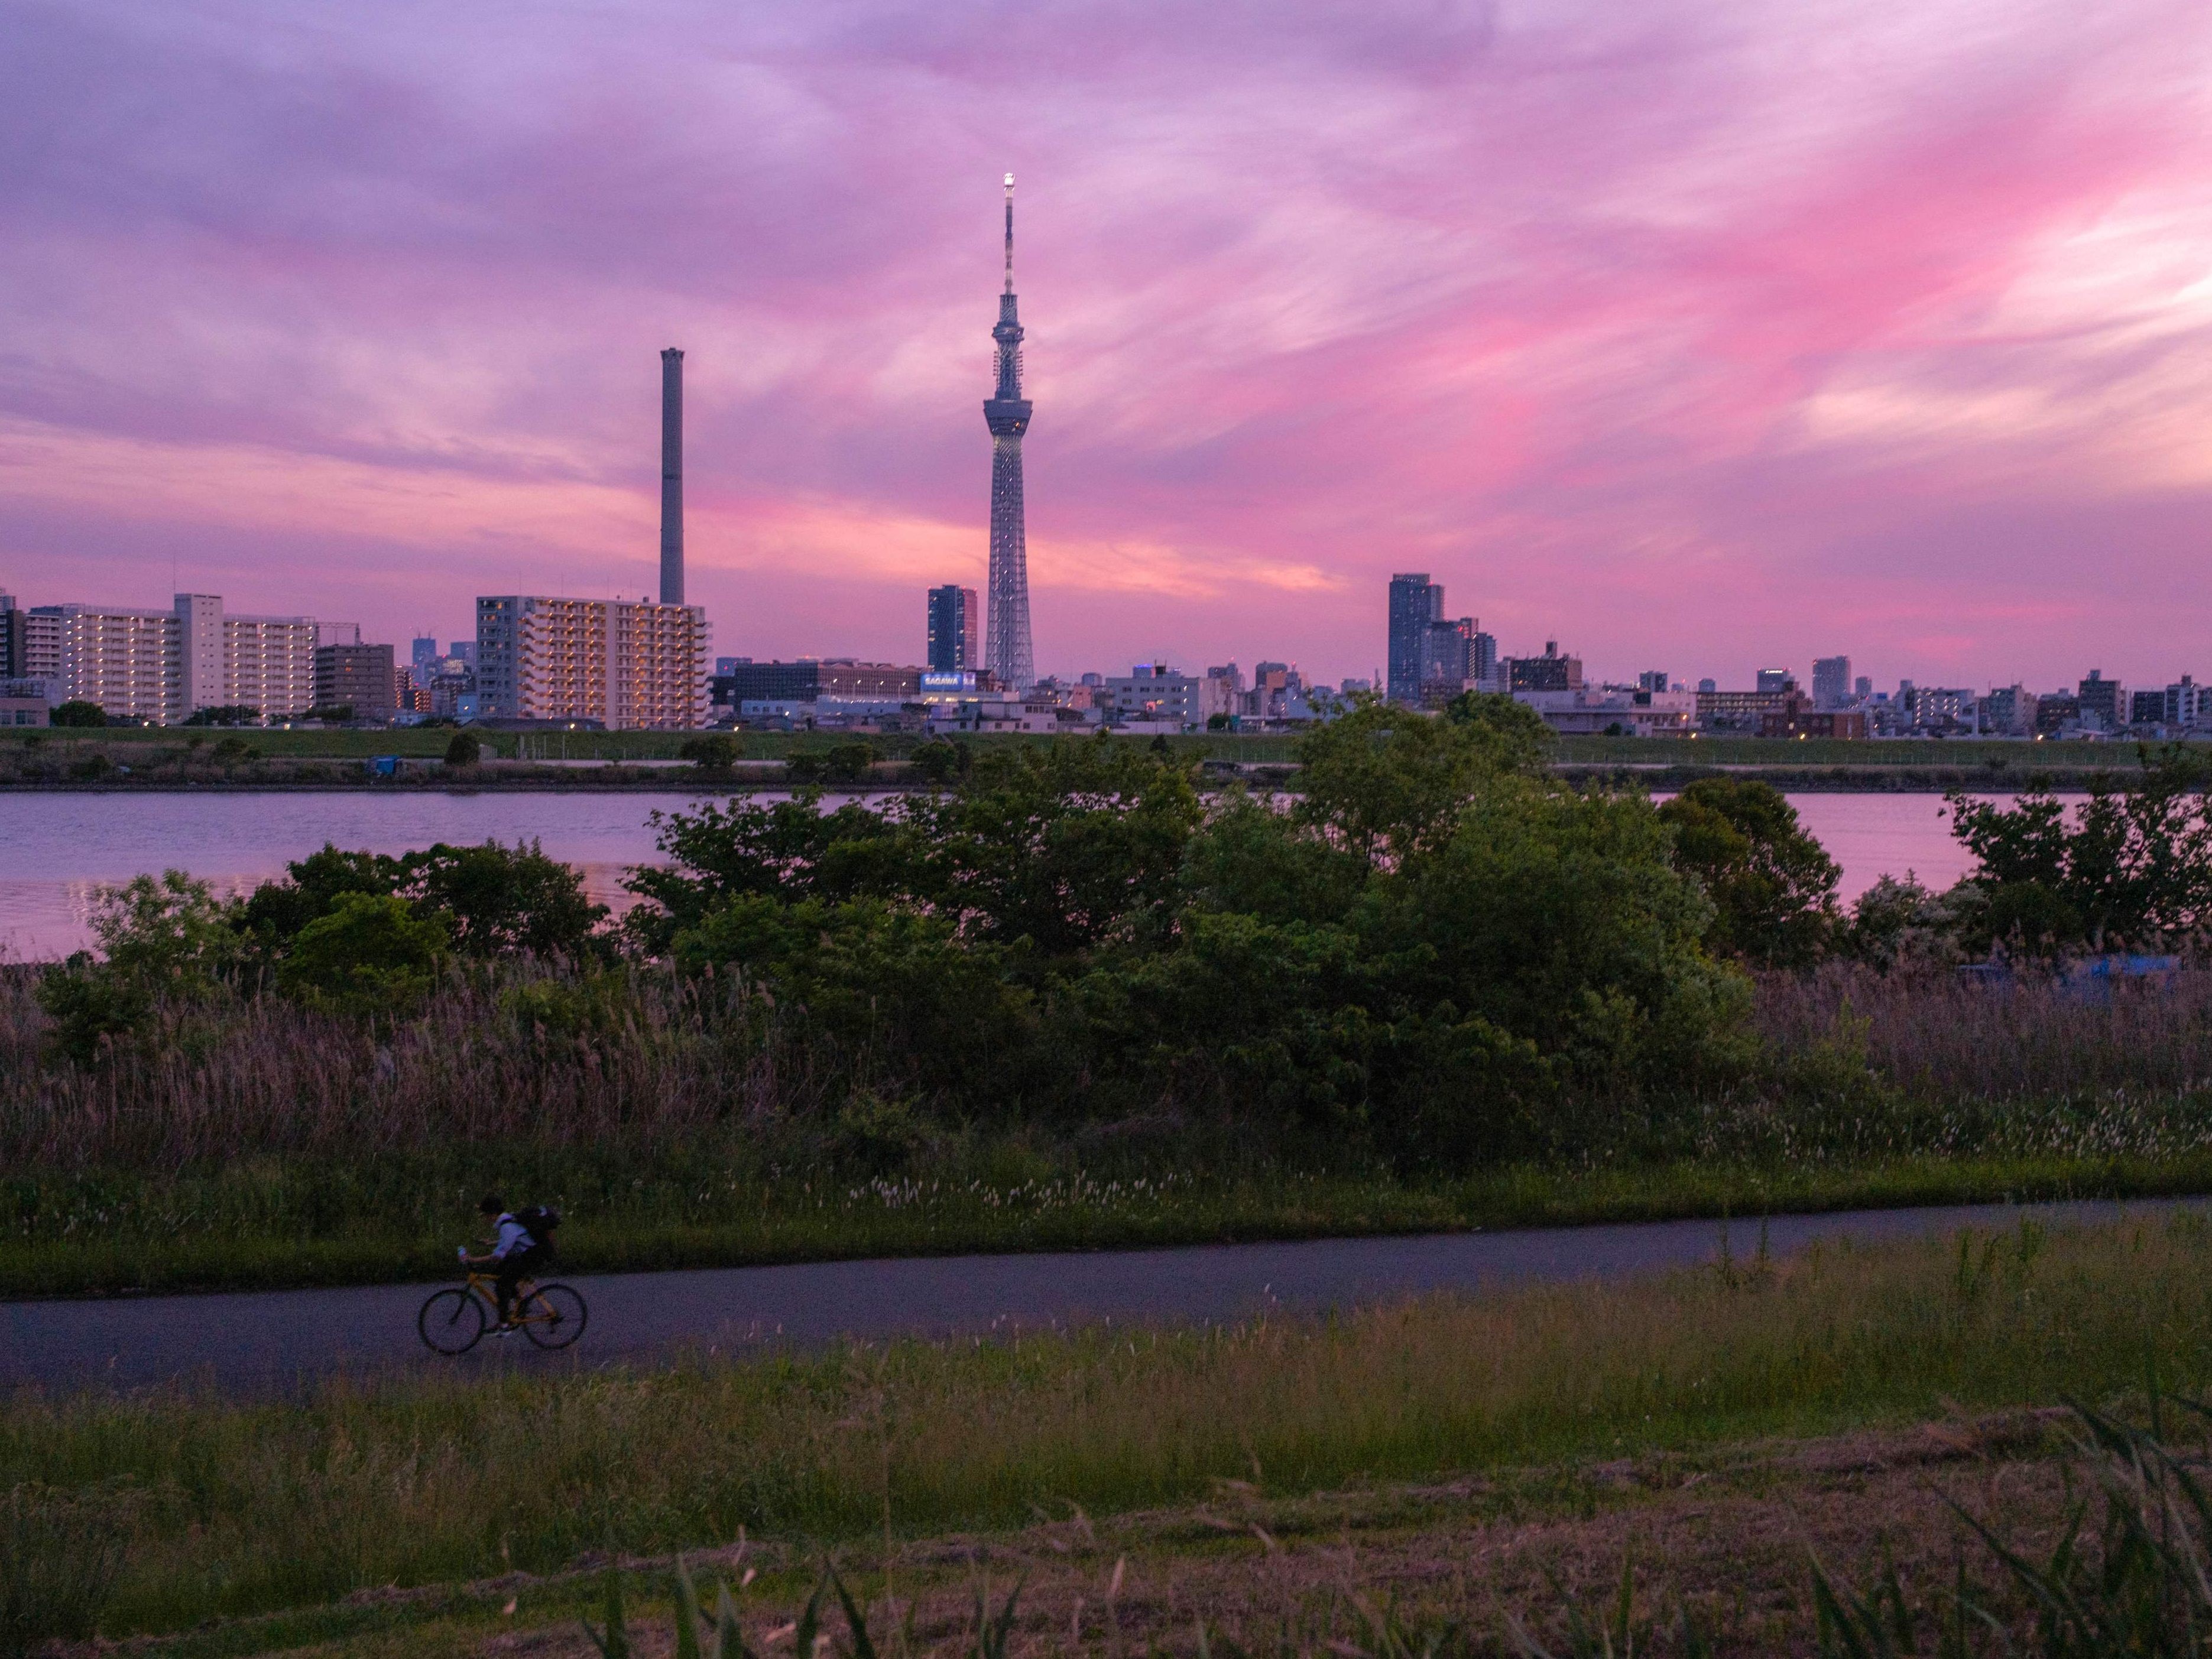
(1006,651)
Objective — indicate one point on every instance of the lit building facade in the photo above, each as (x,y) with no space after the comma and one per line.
(625,663)
(161,666)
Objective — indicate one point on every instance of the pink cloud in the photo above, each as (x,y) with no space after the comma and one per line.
(1692,336)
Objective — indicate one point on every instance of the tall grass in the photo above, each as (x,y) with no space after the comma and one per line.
(245,1507)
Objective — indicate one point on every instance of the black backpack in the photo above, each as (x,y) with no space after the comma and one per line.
(541,1222)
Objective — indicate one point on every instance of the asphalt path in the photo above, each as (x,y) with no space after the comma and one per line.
(267,1341)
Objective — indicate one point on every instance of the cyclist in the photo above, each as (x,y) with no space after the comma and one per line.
(515,1250)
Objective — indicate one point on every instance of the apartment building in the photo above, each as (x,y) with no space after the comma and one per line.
(160,665)
(626,663)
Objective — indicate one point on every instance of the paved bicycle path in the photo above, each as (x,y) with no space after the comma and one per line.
(266,1340)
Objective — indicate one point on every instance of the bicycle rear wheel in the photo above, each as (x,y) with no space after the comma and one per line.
(554,1317)
(450,1322)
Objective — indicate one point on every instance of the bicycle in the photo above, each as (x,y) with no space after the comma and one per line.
(453,1320)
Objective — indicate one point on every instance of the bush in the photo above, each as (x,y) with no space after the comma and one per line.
(78,712)
(370,956)
(225,714)
(715,753)
(161,938)
(464,749)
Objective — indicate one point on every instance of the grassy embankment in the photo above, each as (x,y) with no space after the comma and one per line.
(169,757)
(290,1148)
(1439,1456)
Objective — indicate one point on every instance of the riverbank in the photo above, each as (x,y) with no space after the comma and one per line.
(300,1223)
(1754,1409)
(140,759)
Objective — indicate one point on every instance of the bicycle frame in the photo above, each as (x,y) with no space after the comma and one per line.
(486,1287)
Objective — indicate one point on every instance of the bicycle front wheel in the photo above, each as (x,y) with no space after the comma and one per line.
(554,1317)
(450,1322)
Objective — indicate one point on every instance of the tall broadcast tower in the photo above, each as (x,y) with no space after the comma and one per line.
(1006,650)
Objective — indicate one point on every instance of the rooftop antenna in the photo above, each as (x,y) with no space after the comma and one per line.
(1010,232)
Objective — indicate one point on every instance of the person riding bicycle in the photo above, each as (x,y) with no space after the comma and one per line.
(516,1251)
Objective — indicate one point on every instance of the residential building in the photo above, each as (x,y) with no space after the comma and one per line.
(629,664)
(1415,602)
(2103,703)
(1863,689)
(1943,708)
(1651,680)
(2007,711)
(160,665)
(956,624)
(357,677)
(2055,714)
(1743,711)
(1832,680)
(1549,673)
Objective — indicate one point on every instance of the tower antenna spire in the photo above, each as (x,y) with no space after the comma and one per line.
(1006,649)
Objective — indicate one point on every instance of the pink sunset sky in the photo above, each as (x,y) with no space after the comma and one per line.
(1694,334)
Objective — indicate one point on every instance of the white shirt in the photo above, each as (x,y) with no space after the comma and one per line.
(513,1237)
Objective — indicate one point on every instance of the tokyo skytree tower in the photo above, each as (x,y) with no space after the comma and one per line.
(1006,650)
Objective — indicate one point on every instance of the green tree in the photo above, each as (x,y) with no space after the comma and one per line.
(372,955)
(464,749)
(1390,783)
(225,714)
(717,752)
(75,712)
(162,939)
(1772,886)
(497,901)
(2129,869)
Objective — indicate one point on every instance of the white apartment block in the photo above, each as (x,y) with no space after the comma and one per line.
(160,665)
(628,663)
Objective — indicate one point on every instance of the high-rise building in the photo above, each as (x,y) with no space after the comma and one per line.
(629,664)
(423,656)
(1415,602)
(12,644)
(356,677)
(1831,678)
(1007,651)
(1651,680)
(160,665)
(1775,679)
(954,614)
(1863,688)
(1452,658)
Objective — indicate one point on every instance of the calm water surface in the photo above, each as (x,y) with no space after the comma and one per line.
(56,849)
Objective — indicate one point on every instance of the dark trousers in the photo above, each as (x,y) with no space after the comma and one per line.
(512,1270)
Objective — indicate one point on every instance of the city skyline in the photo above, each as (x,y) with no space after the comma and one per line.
(1884,331)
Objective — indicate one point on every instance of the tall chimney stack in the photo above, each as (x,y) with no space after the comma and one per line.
(671,477)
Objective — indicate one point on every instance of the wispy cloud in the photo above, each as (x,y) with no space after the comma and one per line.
(1695,335)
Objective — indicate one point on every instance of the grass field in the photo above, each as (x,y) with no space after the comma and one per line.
(1539,1405)
(275,1222)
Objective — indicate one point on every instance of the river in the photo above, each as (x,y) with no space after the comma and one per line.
(58,849)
